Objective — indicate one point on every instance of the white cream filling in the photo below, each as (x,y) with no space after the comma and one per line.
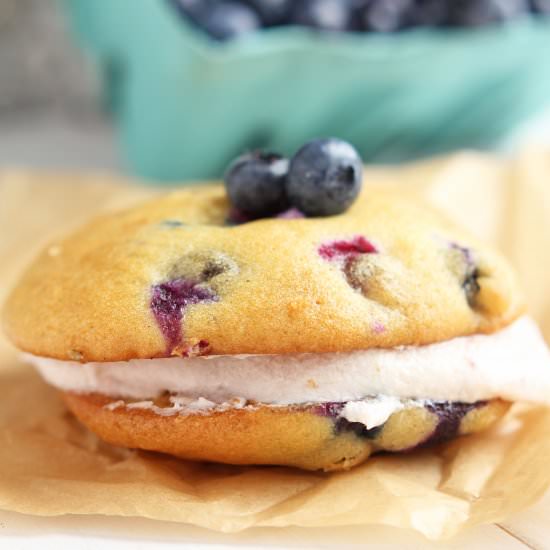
(374,411)
(512,364)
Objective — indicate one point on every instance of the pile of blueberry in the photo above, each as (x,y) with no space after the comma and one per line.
(322,179)
(225,19)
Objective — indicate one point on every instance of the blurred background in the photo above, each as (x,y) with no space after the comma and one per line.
(50,113)
(159,90)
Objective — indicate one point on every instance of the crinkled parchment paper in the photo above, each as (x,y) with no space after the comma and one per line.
(50,465)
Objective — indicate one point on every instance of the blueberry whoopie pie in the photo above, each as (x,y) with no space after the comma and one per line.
(320,324)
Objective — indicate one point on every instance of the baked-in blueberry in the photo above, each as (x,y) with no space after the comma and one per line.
(463,264)
(272,12)
(227,19)
(330,15)
(346,249)
(324,177)
(476,13)
(471,285)
(255,184)
(213,267)
(387,15)
(450,415)
(168,303)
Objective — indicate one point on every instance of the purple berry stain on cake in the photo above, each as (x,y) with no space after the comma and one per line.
(449,416)
(346,249)
(465,251)
(169,301)
(330,409)
(378,328)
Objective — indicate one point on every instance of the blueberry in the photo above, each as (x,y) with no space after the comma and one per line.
(476,13)
(226,19)
(331,15)
(255,183)
(429,13)
(387,15)
(324,178)
(541,6)
(272,12)
(193,9)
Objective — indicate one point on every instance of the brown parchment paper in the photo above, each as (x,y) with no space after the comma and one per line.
(50,465)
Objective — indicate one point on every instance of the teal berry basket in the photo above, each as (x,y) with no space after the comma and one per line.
(186,105)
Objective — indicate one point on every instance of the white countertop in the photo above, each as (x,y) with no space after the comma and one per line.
(528,529)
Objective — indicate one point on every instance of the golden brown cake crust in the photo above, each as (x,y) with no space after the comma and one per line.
(272,286)
(289,436)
